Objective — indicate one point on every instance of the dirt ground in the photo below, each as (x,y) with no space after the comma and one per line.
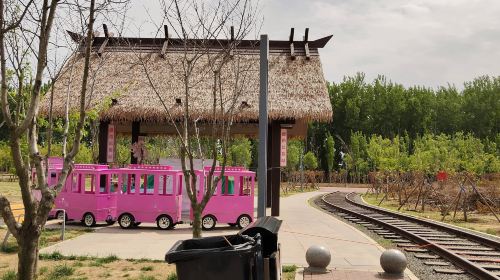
(81,268)
(481,222)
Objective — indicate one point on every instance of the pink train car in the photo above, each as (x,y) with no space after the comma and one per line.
(149,194)
(88,195)
(233,199)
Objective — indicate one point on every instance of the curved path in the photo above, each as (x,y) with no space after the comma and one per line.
(303,225)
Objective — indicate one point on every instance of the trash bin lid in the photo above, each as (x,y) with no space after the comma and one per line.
(268,228)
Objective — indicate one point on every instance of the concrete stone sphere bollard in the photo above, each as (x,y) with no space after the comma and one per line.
(318,257)
(393,261)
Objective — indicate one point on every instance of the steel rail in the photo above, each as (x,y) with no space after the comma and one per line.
(462,233)
(456,259)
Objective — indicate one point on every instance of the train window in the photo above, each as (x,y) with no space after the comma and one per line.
(88,182)
(147,184)
(246,186)
(165,185)
(227,185)
(128,183)
(113,183)
(74,184)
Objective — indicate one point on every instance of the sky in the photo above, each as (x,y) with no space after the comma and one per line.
(413,42)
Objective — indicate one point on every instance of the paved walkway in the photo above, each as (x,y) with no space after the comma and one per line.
(303,226)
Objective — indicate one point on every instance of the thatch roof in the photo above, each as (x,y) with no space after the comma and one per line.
(297,88)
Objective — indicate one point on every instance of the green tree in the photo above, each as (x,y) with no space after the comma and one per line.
(295,148)
(357,158)
(310,161)
(329,155)
(240,153)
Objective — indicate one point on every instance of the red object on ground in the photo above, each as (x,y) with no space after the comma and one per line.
(442,176)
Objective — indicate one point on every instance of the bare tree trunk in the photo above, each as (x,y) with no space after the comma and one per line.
(28,254)
(456,205)
(465,206)
(197,221)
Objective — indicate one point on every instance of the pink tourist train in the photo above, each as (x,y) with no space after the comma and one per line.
(233,199)
(149,194)
(88,195)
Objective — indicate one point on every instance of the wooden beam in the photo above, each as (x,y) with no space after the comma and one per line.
(165,43)
(105,43)
(306,44)
(292,48)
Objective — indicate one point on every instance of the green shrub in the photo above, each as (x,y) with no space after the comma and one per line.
(147,268)
(310,161)
(9,275)
(172,276)
(289,268)
(54,256)
(61,271)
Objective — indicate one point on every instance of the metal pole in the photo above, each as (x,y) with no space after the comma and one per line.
(63,229)
(263,126)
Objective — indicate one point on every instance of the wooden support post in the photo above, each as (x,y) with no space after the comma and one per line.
(275,167)
(103,141)
(231,44)
(165,43)
(105,43)
(103,147)
(306,44)
(292,48)
(136,130)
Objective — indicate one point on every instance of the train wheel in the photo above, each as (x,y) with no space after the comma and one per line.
(164,222)
(88,220)
(244,221)
(208,222)
(126,221)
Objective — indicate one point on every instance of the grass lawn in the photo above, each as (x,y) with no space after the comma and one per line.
(11,191)
(57,267)
(289,272)
(481,222)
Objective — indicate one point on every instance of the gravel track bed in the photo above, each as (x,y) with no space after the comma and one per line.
(417,266)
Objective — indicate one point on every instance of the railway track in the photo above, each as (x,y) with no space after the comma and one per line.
(438,245)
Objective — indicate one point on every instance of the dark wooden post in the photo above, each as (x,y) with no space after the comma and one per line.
(103,141)
(136,130)
(103,147)
(275,167)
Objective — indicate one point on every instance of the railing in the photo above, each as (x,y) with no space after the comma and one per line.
(7,235)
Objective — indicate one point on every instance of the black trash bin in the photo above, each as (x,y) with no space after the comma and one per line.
(267,228)
(214,258)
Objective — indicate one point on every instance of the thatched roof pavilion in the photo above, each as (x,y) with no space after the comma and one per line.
(297,90)
(297,87)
